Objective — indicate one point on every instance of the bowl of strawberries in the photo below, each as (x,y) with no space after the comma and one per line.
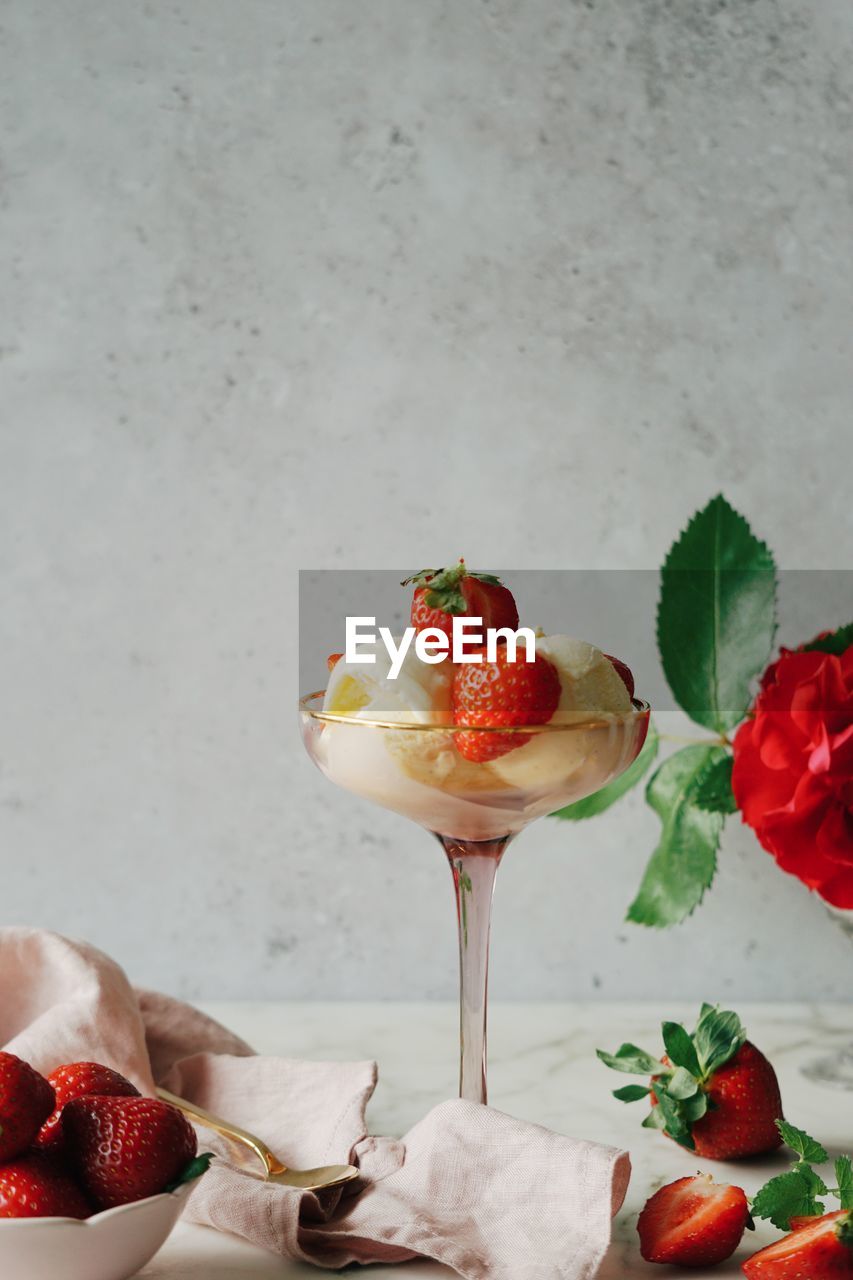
(93,1176)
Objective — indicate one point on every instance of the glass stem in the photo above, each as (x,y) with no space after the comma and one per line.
(474,864)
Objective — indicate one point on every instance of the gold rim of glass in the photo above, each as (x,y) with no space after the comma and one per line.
(640,710)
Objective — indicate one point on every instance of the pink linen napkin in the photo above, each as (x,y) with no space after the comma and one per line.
(468,1186)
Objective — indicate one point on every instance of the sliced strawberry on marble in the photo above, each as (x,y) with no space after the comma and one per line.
(694,1222)
(820,1250)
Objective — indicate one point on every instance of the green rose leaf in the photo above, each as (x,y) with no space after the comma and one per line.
(685,860)
(837,642)
(603,799)
(714,787)
(716,615)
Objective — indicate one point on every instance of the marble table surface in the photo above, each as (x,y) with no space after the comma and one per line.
(542,1068)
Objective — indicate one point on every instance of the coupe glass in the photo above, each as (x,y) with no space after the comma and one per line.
(473,809)
(835,1069)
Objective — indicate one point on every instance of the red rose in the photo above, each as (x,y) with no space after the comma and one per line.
(793,769)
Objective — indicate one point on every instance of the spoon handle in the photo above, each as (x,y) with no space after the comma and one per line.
(209,1121)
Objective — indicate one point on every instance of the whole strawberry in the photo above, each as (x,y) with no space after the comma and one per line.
(79,1080)
(694,1222)
(442,594)
(501,693)
(26,1100)
(125,1149)
(821,1250)
(713,1092)
(37,1186)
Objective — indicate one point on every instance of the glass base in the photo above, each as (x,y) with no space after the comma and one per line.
(833,1070)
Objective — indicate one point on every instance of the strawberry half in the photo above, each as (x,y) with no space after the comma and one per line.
(713,1092)
(37,1186)
(80,1080)
(694,1222)
(822,1250)
(442,594)
(26,1100)
(125,1149)
(501,693)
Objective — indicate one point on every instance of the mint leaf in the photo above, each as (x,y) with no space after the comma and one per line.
(196,1167)
(837,642)
(816,1183)
(631,1092)
(685,860)
(716,615)
(613,791)
(844,1178)
(713,790)
(718,1036)
(806,1148)
(630,1059)
(679,1047)
(787,1196)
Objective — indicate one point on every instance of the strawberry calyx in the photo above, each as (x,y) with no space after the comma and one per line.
(196,1167)
(444,586)
(680,1080)
(844,1230)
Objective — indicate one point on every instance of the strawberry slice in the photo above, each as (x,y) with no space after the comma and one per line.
(694,1222)
(821,1250)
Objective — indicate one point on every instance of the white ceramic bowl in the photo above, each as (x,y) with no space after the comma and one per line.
(112,1245)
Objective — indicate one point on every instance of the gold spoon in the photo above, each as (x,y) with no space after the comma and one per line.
(327,1175)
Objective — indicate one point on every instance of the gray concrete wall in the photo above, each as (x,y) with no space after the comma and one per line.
(326,284)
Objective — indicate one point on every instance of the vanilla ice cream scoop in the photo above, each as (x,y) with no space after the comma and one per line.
(590,689)
(589,683)
(420,693)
